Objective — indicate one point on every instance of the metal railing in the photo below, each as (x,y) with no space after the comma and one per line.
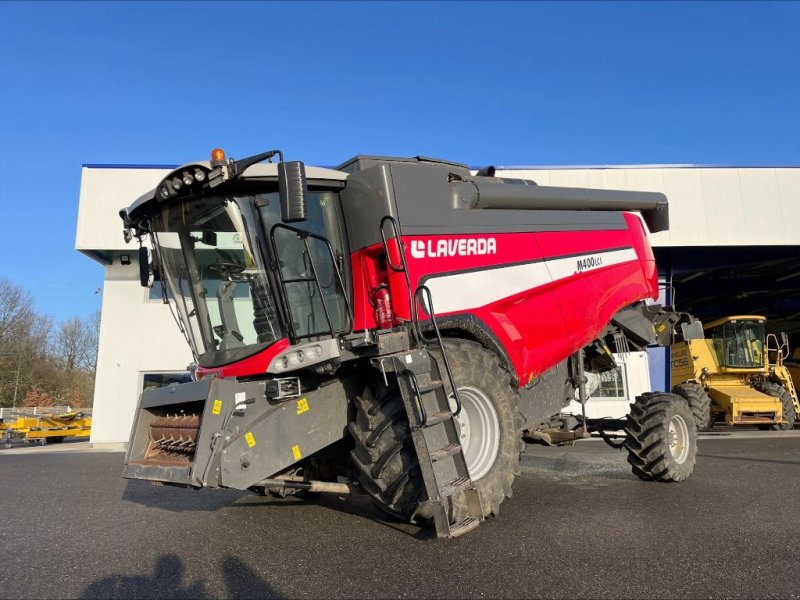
(33,411)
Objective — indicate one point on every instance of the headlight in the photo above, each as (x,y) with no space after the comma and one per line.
(199,174)
(187,178)
(177,183)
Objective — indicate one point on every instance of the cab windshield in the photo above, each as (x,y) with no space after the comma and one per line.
(739,344)
(217,277)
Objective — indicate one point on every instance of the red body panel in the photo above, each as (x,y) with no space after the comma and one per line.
(543,295)
(252,365)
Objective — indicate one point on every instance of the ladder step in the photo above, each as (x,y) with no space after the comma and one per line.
(451,488)
(434,384)
(464,526)
(439,417)
(448,450)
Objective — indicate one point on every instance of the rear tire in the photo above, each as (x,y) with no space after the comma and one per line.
(778,391)
(662,438)
(699,403)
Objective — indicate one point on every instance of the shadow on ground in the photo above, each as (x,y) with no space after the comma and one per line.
(178,499)
(168,581)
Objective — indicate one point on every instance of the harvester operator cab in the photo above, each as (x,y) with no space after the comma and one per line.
(738,342)
(248,258)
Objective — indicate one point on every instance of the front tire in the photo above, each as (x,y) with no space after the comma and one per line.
(490,423)
(778,391)
(384,452)
(490,427)
(661,437)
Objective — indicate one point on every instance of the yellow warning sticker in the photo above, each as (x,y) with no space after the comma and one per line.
(248,437)
(302,406)
(661,328)
(296,452)
(217,408)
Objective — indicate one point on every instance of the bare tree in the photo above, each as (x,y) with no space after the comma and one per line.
(40,360)
(75,343)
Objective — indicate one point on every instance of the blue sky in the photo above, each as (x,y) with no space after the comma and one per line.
(482,83)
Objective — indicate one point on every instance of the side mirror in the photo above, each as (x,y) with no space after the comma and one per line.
(209,238)
(692,331)
(293,191)
(145,272)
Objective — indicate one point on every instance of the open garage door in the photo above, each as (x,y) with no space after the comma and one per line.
(713,282)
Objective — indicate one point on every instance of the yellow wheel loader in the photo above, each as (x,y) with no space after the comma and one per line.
(736,373)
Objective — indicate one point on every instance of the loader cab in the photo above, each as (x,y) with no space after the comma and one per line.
(241,278)
(738,342)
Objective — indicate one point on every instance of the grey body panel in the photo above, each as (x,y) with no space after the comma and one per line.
(238,447)
(283,433)
(547,395)
(361,162)
(368,197)
(434,198)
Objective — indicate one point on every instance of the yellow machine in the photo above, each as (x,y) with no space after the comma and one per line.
(737,374)
(46,428)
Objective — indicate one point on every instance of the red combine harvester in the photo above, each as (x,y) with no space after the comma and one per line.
(395,325)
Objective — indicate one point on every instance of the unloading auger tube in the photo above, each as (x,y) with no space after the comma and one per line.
(519,194)
(319,368)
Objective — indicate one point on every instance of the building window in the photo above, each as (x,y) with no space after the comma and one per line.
(155,293)
(151,381)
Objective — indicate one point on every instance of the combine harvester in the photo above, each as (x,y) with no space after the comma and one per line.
(736,375)
(395,325)
(45,428)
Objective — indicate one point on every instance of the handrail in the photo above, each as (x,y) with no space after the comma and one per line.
(402,268)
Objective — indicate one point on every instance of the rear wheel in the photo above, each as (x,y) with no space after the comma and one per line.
(699,403)
(662,437)
(778,391)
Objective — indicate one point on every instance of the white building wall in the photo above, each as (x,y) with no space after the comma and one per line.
(707,206)
(137,335)
(104,191)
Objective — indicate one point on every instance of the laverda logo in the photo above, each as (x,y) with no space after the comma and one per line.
(446,248)
(584,264)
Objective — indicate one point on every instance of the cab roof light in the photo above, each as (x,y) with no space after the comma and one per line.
(217,157)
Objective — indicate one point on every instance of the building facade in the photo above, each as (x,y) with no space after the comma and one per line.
(733,246)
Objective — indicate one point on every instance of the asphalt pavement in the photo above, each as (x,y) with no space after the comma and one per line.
(579,526)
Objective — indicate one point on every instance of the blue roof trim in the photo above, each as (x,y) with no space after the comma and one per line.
(510,167)
(106,166)
(655,166)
